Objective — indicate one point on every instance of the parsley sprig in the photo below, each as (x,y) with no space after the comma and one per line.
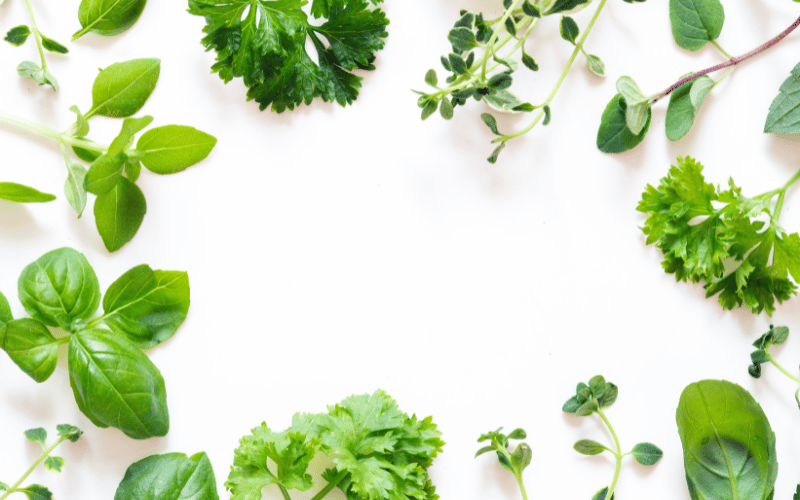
(746,260)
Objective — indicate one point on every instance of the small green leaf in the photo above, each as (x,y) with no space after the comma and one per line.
(86,155)
(569,29)
(174,148)
(779,334)
(81,125)
(700,89)
(521,458)
(547,115)
(38,435)
(54,464)
(518,434)
(601,495)
(587,408)
(531,10)
(121,89)
(566,6)
(74,188)
(754,371)
(124,140)
(597,385)
(36,492)
(29,69)
(695,22)
(493,157)
(614,136)
(462,39)
(684,104)
(119,213)
(647,453)
(483,450)
(5,312)
(71,432)
(490,122)
(630,91)
(19,193)
(529,62)
(596,65)
(108,17)
(572,405)
(431,78)
(759,357)
(430,108)
(588,447)
(784,111)
(103,174)
(609,396)
(502,100)
(53,46)
(18,35)
(457,63)
(3,486)
(446,109)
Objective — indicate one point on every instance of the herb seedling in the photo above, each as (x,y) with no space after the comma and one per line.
(114,382)
(51,463)
(487,52)
(513,460)
(263,42)
(776,335)
(378,453)
(119,91)
(108,17)
(695,24)
(29,69)
(177,477)
(593,398)
(734,254)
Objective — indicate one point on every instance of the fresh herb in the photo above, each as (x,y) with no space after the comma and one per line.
(728,445)
(108,17)
(513,460)
(695,23)
(29,69)
(51,463)
(264,42)
(114,383)
(776,335)
(593,398)
(716,237)
(487,52)
(378,453)
(171,476)
(119,91)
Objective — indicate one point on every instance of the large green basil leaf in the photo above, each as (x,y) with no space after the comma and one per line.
(59,288)
(147,306)
(174,148)
(115,384)
(119,213)
(172,476)
(728,445)
(121,89)
(31,346)
(108,17)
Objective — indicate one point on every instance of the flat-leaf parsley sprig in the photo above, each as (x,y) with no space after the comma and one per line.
(515,460)
(263,42)
(718,237)
(486,53)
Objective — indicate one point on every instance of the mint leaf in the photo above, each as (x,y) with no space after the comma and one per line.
(784,112)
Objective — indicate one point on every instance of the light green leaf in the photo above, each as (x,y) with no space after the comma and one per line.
(31,346)
(54,464)
(74,188)
(589,447)
(18,193)
(174,148)
(647,453)
(119,213)
(502,100)
(695,22)
(103,174)
(5,312)
(596,65)
(684,104)
(70,432)
(124,140)
(36,492)
(38,435)
(700,88)
(630,91)
(82,125)
(121,89)
(108,17)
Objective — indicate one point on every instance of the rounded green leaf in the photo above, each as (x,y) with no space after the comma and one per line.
(680,112)
(647,453)
(31,346)
(588,447)
(59,288)
(116,385)
(178,478)
(569,29)
(19,193)
(5,311)
(17,35)
(37,435)
(121,89)
(695,22)
(103,174)
(614,136)
(108,17)
(784,111)
(571,406)
(119,213)
(173,148)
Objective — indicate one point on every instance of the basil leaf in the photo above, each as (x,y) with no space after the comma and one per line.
(121,89)
(119,213)
(108,17)
(73,187)
(36,492)
(614,136)
(172,476)
(5,312)
(18,35)
(18,193)
(59,287)
(728,445)
(81,125)
(116,385)
(784,112)
(173,148)
(31,346)
(124,140)
(103,174)
(695,22)
(147,306)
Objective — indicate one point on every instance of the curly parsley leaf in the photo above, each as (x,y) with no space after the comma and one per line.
(264,43)
(718,237)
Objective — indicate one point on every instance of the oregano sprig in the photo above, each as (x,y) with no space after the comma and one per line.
(18,35)
(51,463)
(487,52)
(776,335)
(515,460)
(591,399)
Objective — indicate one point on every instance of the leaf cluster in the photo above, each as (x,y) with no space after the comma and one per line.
(264,43)
(17,36)
(378,453)
(775,336)
(717,237)
(514,460)
(589,398)
(114,382)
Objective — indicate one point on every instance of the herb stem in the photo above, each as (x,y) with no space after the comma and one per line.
(45,453)
(774,363)
(284,492)
(328,487)
(44,131)
(782,194)
(36,35)
(719,48)
(617,454)
(732,61)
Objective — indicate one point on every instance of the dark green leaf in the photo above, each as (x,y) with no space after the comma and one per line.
(36,492)
(569,29)
(119,214)
(511,26)
(116,385)
(103,174)
(18,193)
(759,357)
(466,20)
(529,62)
(446,109)
(784,112)
(431,78)
(493,157)
(446,63)
(647,453)
(609,396)
(614,136)
(572,405)
(601,495)
(174,148)
(462,39)
(566,6)
(779,334)
(530,10)
(695,22)
(430,108)
(587,408)
(547,115)
(483,450)
(490,122)
(71,432)
(588,447)
(38,435)
(108,17)
(53,46)
(74,188)
(500,81)
(31,346)
(18,35)
(172,476)
(121,89)
(754,371)
(457,63)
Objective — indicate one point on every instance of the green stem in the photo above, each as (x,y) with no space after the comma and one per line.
(328,487)
(782,194)
(557,86)
(779,367)
(721,50)
(36,35)
(45,453)
(285,492)
(59,137)
(617,455)
(521,486)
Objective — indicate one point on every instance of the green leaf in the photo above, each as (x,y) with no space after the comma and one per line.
(431,78)
(430,108)
(595,65)
(779,334)
(728,445)
(174,148)
(53,46)
(82,125)
(124,140)
(759,357)
(3,486)
(567,6)
(38,435)
(529,62)
(116,385)
(601,495)
(647,453)
(684,104)
(500,81)
(74,189)
(597,385)
(31,346)
(121,89)
(609,396)
(637,111)
(572,405)
(502,100)
(29,69)
(462,39)
(490,122)
(521,457)
(119,214)
(108,17)
(17,35)
(569,29)
(86,155)
(70,432)
(104,174)
(446,109)
(59,288)
(630,91)
(588,447)
(36,492)
(18,193)
(457,63)
(695,22)
(587,408)
(517,434)
(172,476)
(614,136)
(147,306)
(54,464)
(493,157)
(5,312)
(784,112)
(701,86)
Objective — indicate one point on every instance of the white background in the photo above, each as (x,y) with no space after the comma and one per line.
(334,251)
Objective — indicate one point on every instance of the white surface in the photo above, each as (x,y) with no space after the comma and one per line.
(333,251)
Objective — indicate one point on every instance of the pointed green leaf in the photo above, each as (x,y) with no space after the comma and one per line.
(588,447)
(569,29)
(108,17)
(31,346)
(596,65)
(18,193)
(784,112)
(174,148)
(119,213)
(647,453)
(53,46)
(74,188)
(121,89)
(614,136)
(172,476)
(103,174)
